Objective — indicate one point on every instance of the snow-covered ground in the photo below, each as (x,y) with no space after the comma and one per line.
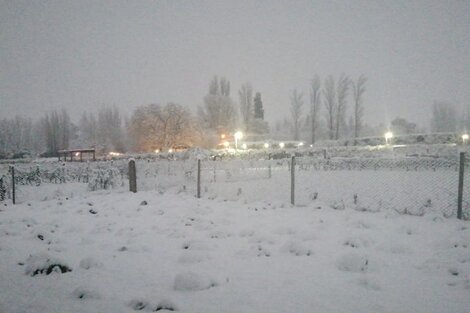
(167,250)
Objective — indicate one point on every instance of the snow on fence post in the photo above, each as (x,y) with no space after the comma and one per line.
(292,180)
(13,186)
(460,194)
(132,176)
(198,178)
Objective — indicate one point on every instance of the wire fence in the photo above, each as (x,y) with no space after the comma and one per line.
(408,185)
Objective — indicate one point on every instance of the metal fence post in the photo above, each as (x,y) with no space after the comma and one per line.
(215,171)
(460,194)
(198,178)
(292,180)
(132,176)
(13,185)
(269,166)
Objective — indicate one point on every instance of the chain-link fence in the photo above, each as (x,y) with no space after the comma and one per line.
(412,186)
(408,185)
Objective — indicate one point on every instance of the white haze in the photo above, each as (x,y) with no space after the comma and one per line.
(81,54)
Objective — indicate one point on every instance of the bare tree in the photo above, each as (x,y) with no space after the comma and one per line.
(296,103)
(88,128)
(329,94)
(359,87)
(156,127)
(246,104)
(218,112)
(444,117)
(109,133)
(315,105)
(341,93)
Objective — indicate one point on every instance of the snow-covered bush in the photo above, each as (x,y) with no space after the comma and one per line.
(104,178)
(3,188)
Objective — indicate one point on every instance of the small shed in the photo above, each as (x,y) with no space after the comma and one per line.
(76,155)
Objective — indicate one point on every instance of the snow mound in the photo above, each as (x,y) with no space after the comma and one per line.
(43,264)
(83,293)
(296,248)
(138,304)
(88,263)
(165,305)
(353,262)
(191,281)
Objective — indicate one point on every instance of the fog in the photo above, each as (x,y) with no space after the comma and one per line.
(83,54)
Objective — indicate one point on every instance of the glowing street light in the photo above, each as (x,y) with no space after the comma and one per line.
(238,135)
(300,144)
(281,145)
(226,144)
(465,138)
(266,145)
(388,137)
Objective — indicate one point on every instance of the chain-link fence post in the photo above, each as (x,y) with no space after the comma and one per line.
(292,180)
(215,171)
(460,194)
(13,185)
(198,179)
(269,166)
(132,176)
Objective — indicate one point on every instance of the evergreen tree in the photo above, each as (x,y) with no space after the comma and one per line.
(259,111)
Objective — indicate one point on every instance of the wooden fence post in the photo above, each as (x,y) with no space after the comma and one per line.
(13,185)
(198,179)
(292,180)
(132,176)
(460,194)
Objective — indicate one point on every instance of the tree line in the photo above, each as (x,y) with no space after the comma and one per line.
(330,101)
(335,110)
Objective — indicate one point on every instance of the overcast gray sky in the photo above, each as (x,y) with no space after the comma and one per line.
(81,54)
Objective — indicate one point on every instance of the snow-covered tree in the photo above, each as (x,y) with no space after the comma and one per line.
(400,126)
(359,87)
(329,94)
(162,127)
(259,111)
(314,106)
(246,104)
(296,103)
(342,89)
(444,117)
(218,113)
(109,131)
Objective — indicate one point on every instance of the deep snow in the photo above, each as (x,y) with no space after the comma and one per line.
(177,253)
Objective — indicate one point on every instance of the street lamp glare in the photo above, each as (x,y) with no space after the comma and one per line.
(238,135)
(266,145)
(465,138)
(388,135)
(281,145)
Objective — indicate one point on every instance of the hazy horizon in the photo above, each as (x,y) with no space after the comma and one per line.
(83,54)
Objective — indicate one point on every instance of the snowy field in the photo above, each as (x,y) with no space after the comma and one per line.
(122,252)
(364,235)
